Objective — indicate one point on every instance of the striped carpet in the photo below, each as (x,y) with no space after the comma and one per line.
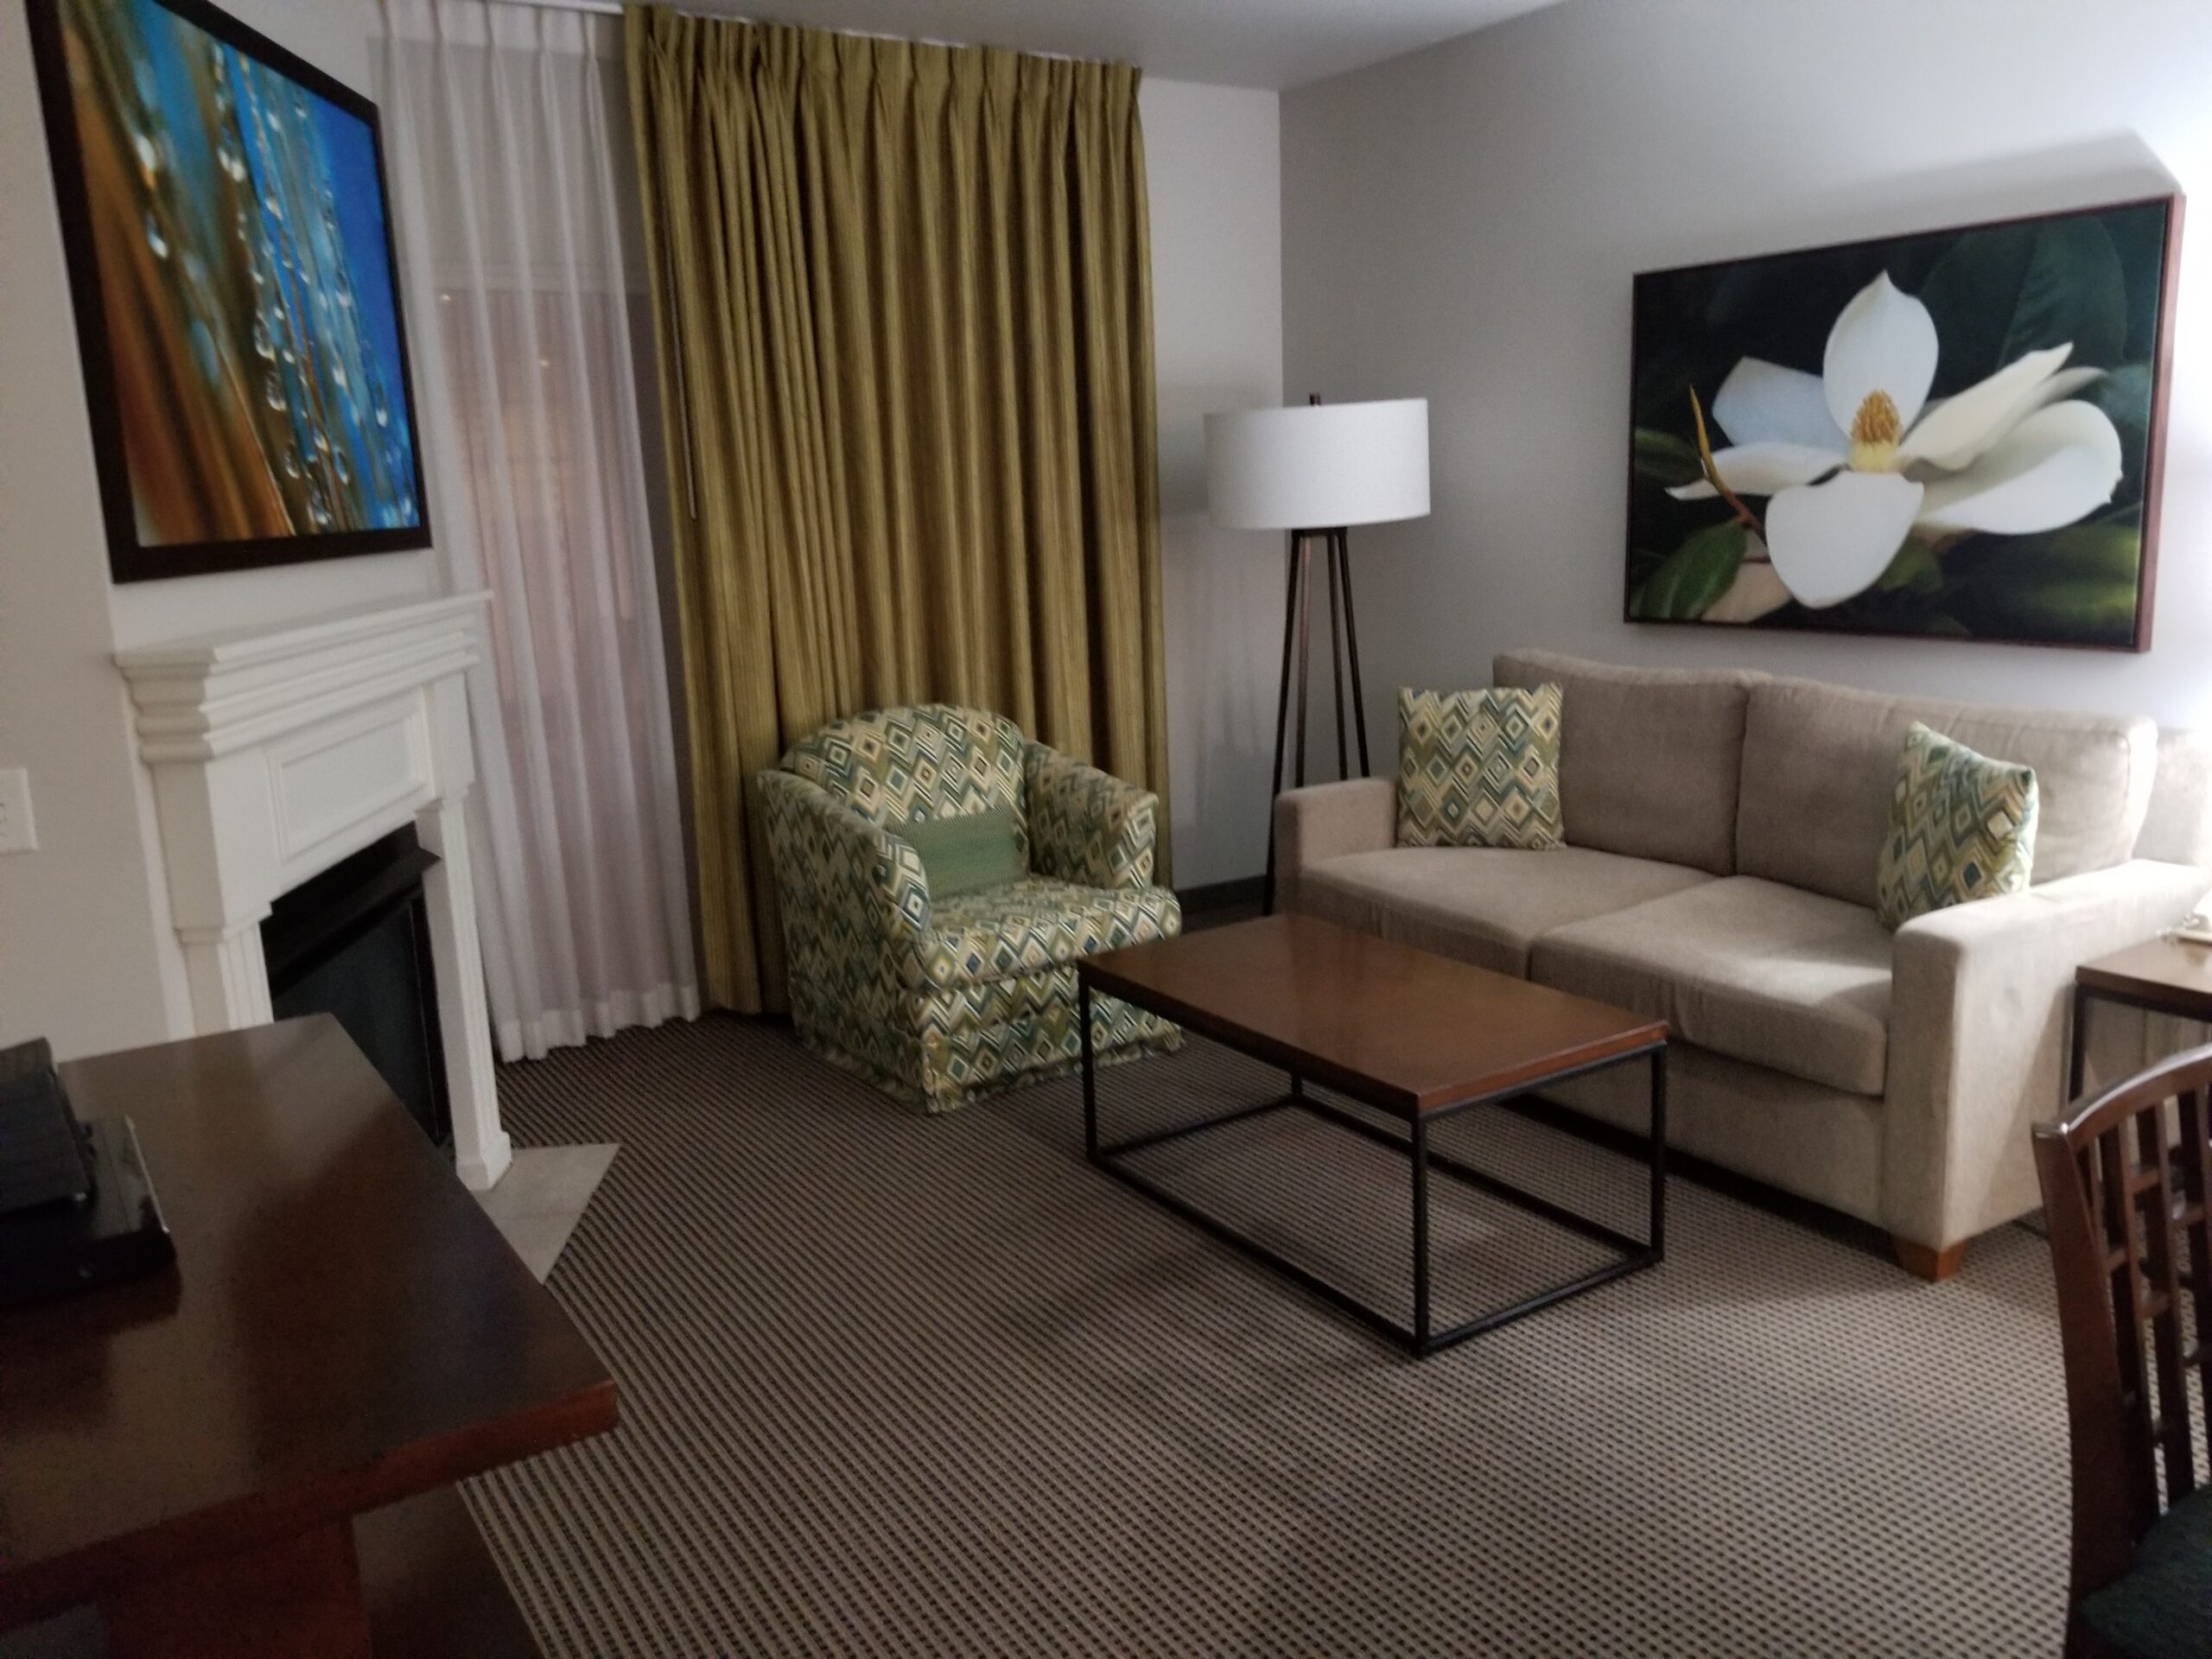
(900,1385)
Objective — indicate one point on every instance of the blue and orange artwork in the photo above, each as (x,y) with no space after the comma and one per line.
(239,223)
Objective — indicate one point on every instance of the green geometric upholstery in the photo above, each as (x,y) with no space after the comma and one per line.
(938,1003)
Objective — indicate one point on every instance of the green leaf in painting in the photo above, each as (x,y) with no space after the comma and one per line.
(1915,571)
(2077,584)
(2072,294)
(1665,459)
(1693,576)
(2007,290)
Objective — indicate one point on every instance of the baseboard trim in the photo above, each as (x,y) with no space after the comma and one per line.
(1222,895)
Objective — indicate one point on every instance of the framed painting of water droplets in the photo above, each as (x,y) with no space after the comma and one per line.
(1951,435)
(224,211)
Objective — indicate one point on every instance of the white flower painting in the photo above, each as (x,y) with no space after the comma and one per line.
(1951,435)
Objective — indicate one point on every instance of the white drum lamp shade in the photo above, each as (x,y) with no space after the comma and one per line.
(1318,466)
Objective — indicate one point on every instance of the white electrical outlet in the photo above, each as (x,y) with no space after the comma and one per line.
(17,833)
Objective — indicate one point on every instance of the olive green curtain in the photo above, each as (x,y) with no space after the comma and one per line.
(903,301)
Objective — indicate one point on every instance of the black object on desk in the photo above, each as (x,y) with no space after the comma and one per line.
(76,1209)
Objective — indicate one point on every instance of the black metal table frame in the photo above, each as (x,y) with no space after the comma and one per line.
(1420,1339)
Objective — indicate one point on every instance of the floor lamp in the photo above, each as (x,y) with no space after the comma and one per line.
(1314,472)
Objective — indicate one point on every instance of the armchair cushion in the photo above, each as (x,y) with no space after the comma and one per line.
(1087,826)
(1028,926)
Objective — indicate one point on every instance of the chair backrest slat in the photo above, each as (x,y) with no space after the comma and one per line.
(2193,1152)
(2160,1308)
(2126,1211)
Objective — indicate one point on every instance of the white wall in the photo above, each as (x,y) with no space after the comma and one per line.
(1212,160)
(1464,223)
(87,957)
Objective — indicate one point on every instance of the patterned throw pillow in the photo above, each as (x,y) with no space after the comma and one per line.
(967,852)
(1479,768)
(1962,827)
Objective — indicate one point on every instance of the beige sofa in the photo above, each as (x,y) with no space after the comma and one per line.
(1723,832)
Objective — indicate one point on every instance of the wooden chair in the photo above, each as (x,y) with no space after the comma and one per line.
(2124,1184)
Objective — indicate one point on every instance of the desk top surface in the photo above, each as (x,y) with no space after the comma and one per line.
(344,1327)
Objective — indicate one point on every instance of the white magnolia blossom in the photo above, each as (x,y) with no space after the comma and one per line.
(1856,458)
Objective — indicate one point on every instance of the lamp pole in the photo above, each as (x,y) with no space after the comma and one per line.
(1312,473)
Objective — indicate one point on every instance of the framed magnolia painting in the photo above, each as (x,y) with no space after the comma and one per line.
(1954,434)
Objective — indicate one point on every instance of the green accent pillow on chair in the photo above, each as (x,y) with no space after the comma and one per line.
(968,851)
(1479,768)
(1962,827)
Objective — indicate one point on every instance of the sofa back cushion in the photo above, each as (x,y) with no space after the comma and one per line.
(1650,758)
(2178,827)
(1820,762)
(929,761)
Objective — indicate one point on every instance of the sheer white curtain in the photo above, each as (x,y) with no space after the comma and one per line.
(509,154)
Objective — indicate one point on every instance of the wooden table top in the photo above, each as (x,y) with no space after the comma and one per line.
(1405,1030)
(344,1328)
(2173,973)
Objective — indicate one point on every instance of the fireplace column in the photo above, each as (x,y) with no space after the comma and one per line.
(275,755)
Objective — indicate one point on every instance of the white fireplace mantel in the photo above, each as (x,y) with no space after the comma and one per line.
(278,752)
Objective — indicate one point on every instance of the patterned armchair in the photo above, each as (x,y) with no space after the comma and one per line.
(938,1003)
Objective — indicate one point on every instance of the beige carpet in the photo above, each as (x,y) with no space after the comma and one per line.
(898,1385)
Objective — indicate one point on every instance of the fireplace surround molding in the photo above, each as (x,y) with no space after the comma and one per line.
(275,753)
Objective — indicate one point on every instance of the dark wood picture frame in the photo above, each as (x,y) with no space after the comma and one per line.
(130,560)
(1636,605)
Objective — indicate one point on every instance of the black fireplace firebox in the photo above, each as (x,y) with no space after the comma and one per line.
(354,942)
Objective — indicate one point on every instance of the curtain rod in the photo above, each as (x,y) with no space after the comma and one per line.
(613,9)
(600,8)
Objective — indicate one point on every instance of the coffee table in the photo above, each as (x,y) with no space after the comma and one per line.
(1416,1036)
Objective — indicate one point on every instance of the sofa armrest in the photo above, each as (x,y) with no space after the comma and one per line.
(1978,1029)
(1088,826)
(1327,821)
(855,905)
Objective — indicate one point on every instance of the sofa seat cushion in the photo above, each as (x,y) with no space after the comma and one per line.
(1483,904)
(1749,969)
(1030,926)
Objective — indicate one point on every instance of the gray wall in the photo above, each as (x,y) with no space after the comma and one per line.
(87,957)
(1463,223)
(1216,299)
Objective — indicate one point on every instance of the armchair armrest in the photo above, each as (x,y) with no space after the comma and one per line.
(1088,826)
(1978,1029)
(855,905)
(1327,821)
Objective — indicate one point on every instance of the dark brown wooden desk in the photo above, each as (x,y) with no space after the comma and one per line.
(345,1331)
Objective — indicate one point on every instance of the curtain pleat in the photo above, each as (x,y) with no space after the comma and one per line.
(903,303)
(509,190)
